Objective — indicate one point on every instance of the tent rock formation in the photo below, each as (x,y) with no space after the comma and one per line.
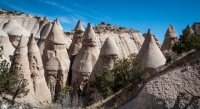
(85,60)
(170,38)
(41,90)
(77,40)
(150,54)
(56,60)
(108,55)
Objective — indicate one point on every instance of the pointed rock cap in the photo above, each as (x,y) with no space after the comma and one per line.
(10,25)
(4,37)
(32,46)
(79,27)
(59,24)
(56,35)
(150,53)
(109,47)
(2,33)
(89,33)
(171,33)
(149,31)
(18,31)
(21,47)
(189,29)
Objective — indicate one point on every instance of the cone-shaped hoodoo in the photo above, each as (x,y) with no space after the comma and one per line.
(170,38)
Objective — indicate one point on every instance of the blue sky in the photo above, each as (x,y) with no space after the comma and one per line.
(137,14)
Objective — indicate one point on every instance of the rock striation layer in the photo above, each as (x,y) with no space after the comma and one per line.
(85,60)
(41,90)
(170,38)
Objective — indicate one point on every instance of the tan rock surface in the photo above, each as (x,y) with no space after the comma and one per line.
(41,90)
(170,38)
(85,60)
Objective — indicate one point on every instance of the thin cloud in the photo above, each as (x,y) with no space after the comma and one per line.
(22,10)
(51,3)
(64,20)
(76,11)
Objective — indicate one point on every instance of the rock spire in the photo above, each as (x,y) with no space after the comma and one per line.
(150,53)
(170,38)
(56,60)
(20,59)
(108,54)
(41,90)
(189,29)
(85,60)
(77,40)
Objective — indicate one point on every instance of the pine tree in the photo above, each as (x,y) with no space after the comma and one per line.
(186,42)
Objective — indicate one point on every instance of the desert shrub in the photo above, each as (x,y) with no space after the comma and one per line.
(67,99)
(186,42)
(122,28)
(170,56)
(104,81)
(108,24)
(103,23)
(125,72)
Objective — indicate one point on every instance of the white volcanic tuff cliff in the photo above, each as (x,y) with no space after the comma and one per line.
(38,26)
(127,43)
(176,87)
